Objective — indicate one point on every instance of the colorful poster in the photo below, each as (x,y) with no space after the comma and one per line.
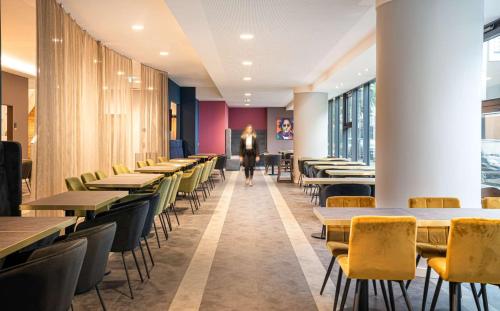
(284,129)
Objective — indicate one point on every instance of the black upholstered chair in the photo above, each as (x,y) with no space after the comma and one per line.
(129,224)
(221,165)
(47,281)
(99,241)
(10,178)
(344,190)
(27,166)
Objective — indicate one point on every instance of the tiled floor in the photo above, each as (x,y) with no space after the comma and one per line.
(247,257)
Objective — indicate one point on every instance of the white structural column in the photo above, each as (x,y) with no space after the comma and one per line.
(428,125)
(310,113)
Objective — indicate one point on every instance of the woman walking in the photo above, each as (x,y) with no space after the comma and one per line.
(249,152)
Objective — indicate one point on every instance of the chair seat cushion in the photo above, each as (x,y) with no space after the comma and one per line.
(438,264)
(428,250)
(337,248)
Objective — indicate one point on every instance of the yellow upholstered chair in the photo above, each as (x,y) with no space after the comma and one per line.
(380,248)
(162,159)
(100,174)
(150,162)
(88,177)
(337,237)
(120,169)
(491,202)
(124,169)
(141,164)
(75,184)
(473,256)
(431,241)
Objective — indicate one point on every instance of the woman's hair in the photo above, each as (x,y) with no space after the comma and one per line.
(247,129)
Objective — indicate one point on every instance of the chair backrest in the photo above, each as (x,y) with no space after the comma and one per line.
(27,166)
(124,169)
(206,171)
(473,255)
(188,184)
(75,184)
(162,159)
(10,178)
(214,162)
(382,248)
(100,174)
(343,190)
(129,224)
(117,170)
(491,202)
(47,281)
(163,191)
(99,242)
(351,201)
(170,190)
(433,202)
(433,235)
(175,188)
(88,177)
(490,192)
(150,162)
(141,164)
(221,162)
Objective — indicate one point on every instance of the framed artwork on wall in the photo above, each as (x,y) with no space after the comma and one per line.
(284,129)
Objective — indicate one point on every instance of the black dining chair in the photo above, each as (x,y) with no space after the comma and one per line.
(47,281)
(153,199)
(99,242)
(221,165)
(10,178)
(344,190)
(129,224)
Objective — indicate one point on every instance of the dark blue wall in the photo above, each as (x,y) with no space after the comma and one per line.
(174,95)
(189,120)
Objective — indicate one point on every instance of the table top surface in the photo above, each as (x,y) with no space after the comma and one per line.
(174,164)
(350,172)
(199,156)
(75,200)
(126,181)
(19,232)
(322,159)
(424,216)
(338,163)
(158,169)
(336,181)
(343,167)
(183,160)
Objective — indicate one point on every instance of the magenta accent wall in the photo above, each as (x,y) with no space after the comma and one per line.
(213,120)
(240,117)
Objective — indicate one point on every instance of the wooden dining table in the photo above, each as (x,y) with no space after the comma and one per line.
(130,182)
(426,217)
(159,169)
(71,201)
(362,173)
(18,232)
(343,167)
(336,181)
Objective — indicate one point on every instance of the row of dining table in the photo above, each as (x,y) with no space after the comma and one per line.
(18,232)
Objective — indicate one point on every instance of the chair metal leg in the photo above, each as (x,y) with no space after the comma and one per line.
(191,204)
(356,295)
(156,233)
(163,227)
(197,198)
(172,207)
(476,298)
(100,298)
(416,265)
(454,299)
(426,287)
(384,293)
(137,265)
(485,297)
(405,295)
(374,287)
(337,288)
(167,218)
(391,295)
(128,277)
(436,294)
(149,251)
(144,260)
(328,271)
(344,294)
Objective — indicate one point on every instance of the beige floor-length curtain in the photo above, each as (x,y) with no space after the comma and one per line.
(67,97)
(153,111)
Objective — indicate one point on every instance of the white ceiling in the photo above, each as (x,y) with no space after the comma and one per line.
(292,38)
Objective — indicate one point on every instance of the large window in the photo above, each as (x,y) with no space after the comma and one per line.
(352,122)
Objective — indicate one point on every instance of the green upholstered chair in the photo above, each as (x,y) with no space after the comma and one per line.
(75,184)
(162,159)
(163,191)
(141,164)
(120,169)
(88,177)
(173,197)
(100,175)
(150,162)
(124,169)
(189,183)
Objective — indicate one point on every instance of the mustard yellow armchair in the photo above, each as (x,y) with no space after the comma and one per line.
(491,202)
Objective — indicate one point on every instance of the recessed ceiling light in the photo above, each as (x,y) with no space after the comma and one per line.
(341,84)
(247,104)
(248,94)
(488,78)
(137,27)
(246,36)
(163,53)
(246,100)
(359,73)
(246,63)
(247,79)
(366,69)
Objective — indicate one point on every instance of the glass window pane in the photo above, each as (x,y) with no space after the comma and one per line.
(490,150)
(341,126)
(371,101)
(349,119)
(491,69)
(360,125)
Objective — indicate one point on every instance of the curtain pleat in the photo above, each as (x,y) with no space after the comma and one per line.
(84,104)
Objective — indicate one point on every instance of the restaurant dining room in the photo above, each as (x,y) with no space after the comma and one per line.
(250,155)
